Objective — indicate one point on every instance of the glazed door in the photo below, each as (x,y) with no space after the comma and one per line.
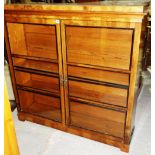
(96,61)
(36,57)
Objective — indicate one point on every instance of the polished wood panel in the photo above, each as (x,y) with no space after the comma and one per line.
(98,74)
(97,119)
(29,28)
(100,93)
(41,105)
(132,89)
(17,38)
(32,42)
(41,41)
(134,7)
(36,65)
(99,41)
(36,81)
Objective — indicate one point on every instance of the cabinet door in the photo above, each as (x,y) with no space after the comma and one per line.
(96,70)
(35,52)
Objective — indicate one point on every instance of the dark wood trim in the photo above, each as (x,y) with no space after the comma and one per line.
(98,82)
(132,49)
(122,28)
(35,71)
(98,104)
(38,91)
(100,68)
(34,58)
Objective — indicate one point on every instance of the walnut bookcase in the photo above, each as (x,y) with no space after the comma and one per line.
(75,67)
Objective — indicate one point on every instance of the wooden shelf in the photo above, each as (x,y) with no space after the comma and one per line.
(51,84)
(100,104)
(34,58)
(41,105)
(100,68)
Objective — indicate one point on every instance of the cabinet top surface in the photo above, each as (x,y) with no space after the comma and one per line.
(100,6)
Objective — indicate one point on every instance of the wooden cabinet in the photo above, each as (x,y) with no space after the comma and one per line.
(75,69)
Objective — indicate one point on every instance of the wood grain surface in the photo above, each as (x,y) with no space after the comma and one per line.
(114,51)
(97,119)
(100,93)
(35,81)
(41,105)
(98,74)
(36,65)
(74,67)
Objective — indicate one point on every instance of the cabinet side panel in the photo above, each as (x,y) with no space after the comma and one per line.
(11,65)
(132,87)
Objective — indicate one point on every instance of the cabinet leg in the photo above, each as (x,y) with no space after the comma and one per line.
(124,148)
(21,117)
